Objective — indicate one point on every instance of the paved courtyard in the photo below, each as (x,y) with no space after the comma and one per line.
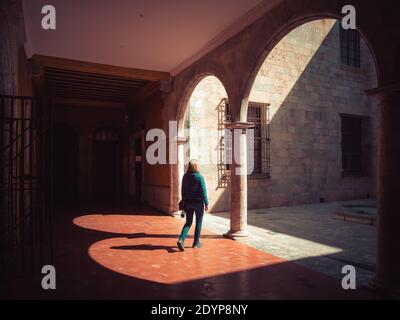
(119,252)
(310,235)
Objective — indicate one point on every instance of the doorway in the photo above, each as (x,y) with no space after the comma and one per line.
(106,163)
(66,164)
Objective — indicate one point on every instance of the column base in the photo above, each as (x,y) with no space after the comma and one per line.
(384,289)
(236,235)
(175,214)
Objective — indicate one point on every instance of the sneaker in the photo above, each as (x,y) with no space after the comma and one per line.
(180,245)
(196,245)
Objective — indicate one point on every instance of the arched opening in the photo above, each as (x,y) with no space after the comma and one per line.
(106,163)
(316,142)
(205,113)
(66,163)
(316,129)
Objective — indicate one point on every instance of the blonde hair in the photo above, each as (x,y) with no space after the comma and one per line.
(193,166)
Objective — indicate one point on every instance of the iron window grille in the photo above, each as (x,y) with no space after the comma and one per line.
(355,144)
(350,47)
(259,144)
(228,136)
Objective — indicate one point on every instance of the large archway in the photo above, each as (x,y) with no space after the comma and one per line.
(203,115)
(313,86)
(315,139)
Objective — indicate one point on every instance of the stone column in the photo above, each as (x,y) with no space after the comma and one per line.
(177,173)
(238,221)
(387,277)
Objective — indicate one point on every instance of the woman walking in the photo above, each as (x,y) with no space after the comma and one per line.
(194,196)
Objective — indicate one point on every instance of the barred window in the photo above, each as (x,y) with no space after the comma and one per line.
(106,135)
(355,144)
(350,47)
(228,137)
(228,113)
(259,144)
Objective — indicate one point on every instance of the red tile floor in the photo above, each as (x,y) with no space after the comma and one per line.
(131,253)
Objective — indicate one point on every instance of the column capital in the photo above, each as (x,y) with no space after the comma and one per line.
(239,125)
(166,86)
(182,140)
(390,88)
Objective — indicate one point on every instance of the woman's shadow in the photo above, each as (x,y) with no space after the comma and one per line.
(169,249)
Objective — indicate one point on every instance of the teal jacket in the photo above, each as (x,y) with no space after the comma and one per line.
(194,187)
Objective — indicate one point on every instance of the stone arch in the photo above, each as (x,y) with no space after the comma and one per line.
(295,81)
(106,125)
(189,92)
(264,50)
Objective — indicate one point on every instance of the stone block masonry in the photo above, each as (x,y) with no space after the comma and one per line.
(308,88)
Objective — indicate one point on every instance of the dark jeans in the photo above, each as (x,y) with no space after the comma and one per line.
(197,210)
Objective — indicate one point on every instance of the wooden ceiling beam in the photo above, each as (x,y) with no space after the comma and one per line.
(91,101)
(63,92)
(97,68)
(61,79)
(145,92)
(81,86)
(51,72)
(77,102)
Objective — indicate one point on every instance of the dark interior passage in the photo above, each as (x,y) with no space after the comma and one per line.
(66,163)
(106,163)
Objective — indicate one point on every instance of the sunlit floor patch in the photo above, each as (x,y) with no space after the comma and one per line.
(148,250)
(129,252)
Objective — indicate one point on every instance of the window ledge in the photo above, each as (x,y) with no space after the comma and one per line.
(349,174)
(353,69)
(259,176)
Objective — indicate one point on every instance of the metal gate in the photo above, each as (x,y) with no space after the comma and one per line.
(26,204)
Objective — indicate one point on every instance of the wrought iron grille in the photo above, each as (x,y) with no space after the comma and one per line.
(356,147)
(26,201)
(225,144)
(350,47)
(258,113)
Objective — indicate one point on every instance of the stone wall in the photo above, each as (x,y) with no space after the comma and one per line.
(308,88)
(156,189)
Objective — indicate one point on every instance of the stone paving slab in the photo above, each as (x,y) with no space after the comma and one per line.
(310,235)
